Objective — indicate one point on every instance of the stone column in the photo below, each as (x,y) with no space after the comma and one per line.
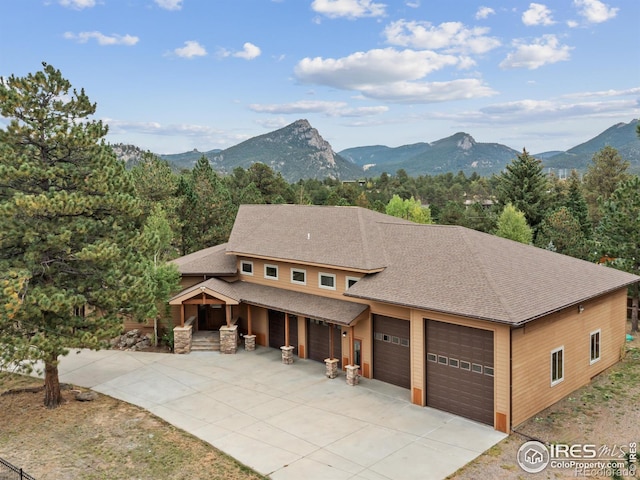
(332,367)
(228,339)
(249,343)
(182,339)
(287,355)
(352,374)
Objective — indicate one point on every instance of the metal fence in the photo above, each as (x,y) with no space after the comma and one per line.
(10,472)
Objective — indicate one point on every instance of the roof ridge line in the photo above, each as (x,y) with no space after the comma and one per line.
(477,259)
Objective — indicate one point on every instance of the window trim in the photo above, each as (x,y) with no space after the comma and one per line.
(350,279)
(329,275)
(560,379)
(242,264)
(299,270)
(597,332)
(269,277)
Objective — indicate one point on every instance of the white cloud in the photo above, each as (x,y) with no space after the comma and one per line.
(537,14)
(429,92)
(348,8)
(102,39)
(542,51)
(414,4)
(78,4)
(191,49)
(484,12)
(449,36)
(333,109)
(249,52)
(169,4)
(375,67)
(595,11)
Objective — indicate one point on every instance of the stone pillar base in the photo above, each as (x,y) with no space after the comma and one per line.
(228,339)
(332,367)
(250,343)
(287,355)
(182,339)
(352,374)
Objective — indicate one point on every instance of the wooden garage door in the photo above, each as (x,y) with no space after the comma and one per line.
(460,370)
(391,352)
(276,330)
(319,341)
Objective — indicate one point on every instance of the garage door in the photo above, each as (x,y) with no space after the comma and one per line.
(319,340)
(276,330)
(460,370)
(391,353)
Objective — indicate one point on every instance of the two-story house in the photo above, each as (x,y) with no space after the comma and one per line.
(476,325)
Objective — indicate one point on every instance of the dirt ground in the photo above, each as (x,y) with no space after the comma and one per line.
(102,439)
(605,413)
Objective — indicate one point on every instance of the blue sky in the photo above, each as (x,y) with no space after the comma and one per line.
(174,75)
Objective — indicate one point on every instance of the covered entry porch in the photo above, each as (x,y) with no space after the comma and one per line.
(301,324)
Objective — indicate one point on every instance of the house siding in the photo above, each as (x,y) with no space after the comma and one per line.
(532,346)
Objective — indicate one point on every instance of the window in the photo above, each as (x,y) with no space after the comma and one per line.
(246,267)
(271,271)
(453,362)
(595,346)
(476,368)
(488,371)
(298,276)
(557,366)
(432,357)
(327,281)
(442,360)
(465,365)
(351,281)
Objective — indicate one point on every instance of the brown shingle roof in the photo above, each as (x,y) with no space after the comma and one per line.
(331,310)
(212,261)
(342,237)
(464,272)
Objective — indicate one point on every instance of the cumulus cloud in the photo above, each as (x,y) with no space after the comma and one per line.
(78,4)
(333,109)
(391,75)
(537,14)
(102,39)
(449,36)
(595,11)
(169,4)
(378,66)
(249,52)
(415,4)
(191,49)
(348,8)
(542,51)
(484,12)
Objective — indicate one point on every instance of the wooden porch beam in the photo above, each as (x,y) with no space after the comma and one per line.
(249,326)
(228,314)
(286,329)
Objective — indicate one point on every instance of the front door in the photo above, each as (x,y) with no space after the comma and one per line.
(357,354)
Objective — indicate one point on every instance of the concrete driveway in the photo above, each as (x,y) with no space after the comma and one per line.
(287,421)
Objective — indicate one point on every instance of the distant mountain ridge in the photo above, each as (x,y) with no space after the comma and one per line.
(298,151)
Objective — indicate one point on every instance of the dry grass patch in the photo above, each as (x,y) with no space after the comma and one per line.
(102,439)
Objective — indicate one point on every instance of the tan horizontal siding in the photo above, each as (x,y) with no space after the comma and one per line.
(532,346)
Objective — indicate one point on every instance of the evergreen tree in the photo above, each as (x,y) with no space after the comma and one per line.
(561,232)
(606,171)
(70,266)
(619,234)
(524,185)
(577,204)
(512,224)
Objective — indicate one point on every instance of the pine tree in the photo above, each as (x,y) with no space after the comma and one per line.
(69,228)
(524,185)
(606,171)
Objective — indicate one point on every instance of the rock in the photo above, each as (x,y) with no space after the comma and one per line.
(88,396)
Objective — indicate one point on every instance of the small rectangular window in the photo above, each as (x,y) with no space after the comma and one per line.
(386,338)
(432,357)
(594,346)
(557,366)
(271,271)
(488,371)
(377,336)
(246,268)
(453,362)
(465,365)
(395,340)
(443,360)
(327,281)
(298,276)
(404,342)
(476,368)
